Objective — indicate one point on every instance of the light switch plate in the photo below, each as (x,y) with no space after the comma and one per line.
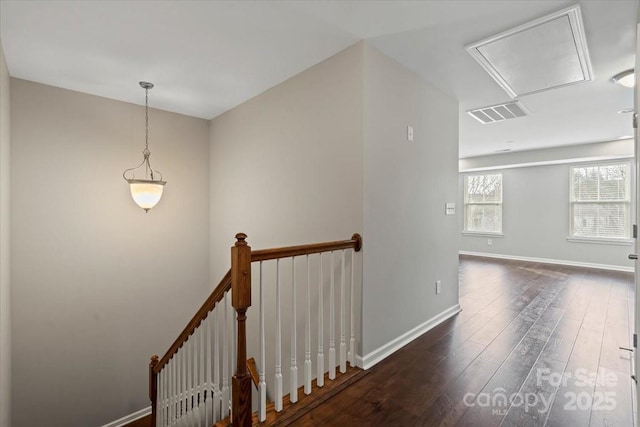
(450,208)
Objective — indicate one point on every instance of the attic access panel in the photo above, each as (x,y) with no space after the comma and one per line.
(547,53)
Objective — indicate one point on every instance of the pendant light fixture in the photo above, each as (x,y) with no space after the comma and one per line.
(148,191)
(627,78)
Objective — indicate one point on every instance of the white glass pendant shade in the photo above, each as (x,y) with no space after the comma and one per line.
(146,193)
(626,78)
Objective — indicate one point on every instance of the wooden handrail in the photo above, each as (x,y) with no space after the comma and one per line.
(202,313)
(238,281)
(290,251)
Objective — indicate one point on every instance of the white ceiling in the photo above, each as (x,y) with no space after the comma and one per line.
(205,57)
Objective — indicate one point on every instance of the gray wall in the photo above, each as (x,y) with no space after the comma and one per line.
(5,257)
(536,207)
(98,286)
(324,155)
(286,168)
(409,242)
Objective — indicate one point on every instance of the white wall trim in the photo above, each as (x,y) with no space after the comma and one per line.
(548,163)
(482,234)
(600,241)
(550,261)
(129,418)
(387,349)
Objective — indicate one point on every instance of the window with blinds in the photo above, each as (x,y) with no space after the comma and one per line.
(483,203)
(600,201)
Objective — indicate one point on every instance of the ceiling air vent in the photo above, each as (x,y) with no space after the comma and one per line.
(498,113)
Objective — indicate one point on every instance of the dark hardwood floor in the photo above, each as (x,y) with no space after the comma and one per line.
(535,345)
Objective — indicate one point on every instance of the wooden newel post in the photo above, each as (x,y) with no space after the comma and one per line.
(153,388)
(241,300)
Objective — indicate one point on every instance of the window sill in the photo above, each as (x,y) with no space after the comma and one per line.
(482,234)
(602,241)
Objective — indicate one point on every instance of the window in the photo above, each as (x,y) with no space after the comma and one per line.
(600,201)
(483,203)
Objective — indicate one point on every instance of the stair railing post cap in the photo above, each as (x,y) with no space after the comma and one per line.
(241,239)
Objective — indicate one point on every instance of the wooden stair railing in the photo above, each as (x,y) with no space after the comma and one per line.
(253,371)
(175,403)
(189,383)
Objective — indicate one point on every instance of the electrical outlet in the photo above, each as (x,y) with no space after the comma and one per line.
(438,286)
(410,133)
(489,242)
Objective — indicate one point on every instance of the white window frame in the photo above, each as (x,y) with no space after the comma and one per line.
(625,240)
(466,203)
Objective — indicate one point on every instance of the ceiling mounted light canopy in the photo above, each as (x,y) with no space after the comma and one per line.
(626,78)
(147,191)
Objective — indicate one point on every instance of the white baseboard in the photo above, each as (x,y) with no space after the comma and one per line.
(550,261)
(367,361)
(129,418)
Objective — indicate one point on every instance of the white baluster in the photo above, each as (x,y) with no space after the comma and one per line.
(352,322)
(185,397)
(332,323)
(180,403)
(320,374)
(165,396)
(172,390)
(225,360)
(217,393)
(181,399)
(233,346)
(293,387)
(188,394)
(165,372)
(307,336)
(158,399)
(278,375)
(176,386)
(193,372)
(232,337)
(194,383)
(202,382)
(176,389)
(262,385)
(196,377)
(187,366)
(208,407)
(165,385)
(343,342)
(183,379)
